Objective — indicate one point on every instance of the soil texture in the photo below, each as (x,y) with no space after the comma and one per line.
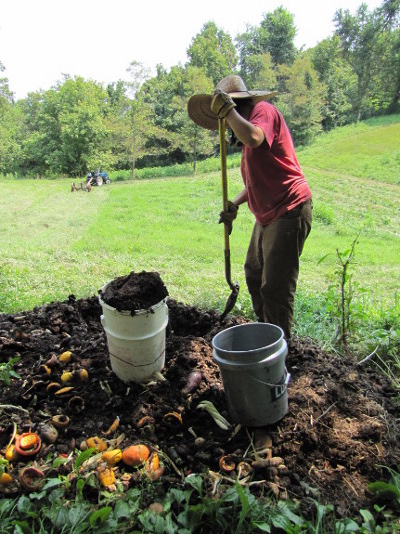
(341,428)
(134,292)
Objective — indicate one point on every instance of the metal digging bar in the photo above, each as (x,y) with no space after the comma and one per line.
(230,303)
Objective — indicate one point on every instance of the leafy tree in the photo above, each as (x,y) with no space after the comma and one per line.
(362,47)
(143,117)
(250,46)
(301,99)
(114,146)
(82,108)
(279,32)
(192,140)
(389,10)
(34,134)
(213,50)
(65,128)
(392,68)
(339,80)
(265,74)
(275,37)
(10,124)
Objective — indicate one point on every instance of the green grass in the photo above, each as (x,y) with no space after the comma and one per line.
(55,243)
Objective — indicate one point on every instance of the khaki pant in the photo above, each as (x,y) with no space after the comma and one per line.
(272,265)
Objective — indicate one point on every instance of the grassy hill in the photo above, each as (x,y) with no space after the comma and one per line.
(55,243)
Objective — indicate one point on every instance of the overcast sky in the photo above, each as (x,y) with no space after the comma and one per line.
(40,40)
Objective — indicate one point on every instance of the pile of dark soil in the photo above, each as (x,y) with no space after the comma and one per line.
(136,291)
(342,425)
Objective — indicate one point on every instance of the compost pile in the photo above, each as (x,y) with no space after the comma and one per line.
(341,428)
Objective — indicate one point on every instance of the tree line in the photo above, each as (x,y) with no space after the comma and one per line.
(79,125)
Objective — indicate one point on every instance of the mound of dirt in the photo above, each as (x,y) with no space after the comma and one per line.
(134,292)
(341,428)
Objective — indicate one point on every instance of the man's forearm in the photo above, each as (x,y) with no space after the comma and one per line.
(241,197)
(250,135)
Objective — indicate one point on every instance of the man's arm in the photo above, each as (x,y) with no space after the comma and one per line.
(250,135)
(224,107)
(240,198)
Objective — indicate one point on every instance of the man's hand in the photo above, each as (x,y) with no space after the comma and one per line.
(227,217)
(221,104)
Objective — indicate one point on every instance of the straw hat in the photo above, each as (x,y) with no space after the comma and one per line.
(199,106)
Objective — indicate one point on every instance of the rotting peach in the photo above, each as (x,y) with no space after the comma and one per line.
(112,457)
(96,443)
(135,454)
(5,479)
(106,477)
(153,462)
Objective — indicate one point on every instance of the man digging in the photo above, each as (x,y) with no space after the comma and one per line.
(275,190)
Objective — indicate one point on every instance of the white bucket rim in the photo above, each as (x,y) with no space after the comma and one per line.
(247,351)
(142,311)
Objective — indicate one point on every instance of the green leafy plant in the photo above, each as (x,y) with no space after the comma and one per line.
(340,298)
(7,372)
(3,465)
(389,491)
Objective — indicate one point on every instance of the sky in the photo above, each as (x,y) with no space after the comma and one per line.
(41,40)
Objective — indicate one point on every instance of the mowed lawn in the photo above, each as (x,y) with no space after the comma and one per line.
(55,243)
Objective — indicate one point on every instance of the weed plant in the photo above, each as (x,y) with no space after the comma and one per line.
(188,509)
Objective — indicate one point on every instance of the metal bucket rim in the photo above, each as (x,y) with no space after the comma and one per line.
(269,361)
(248,351)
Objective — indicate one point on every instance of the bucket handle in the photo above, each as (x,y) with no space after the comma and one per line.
(284,383)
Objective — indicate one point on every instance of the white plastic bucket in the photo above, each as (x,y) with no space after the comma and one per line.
(251,358)
(136,343)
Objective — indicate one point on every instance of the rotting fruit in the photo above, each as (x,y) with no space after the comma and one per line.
(153,462)
(226,463)
(106,477)
(65,356)
(83,375)
(31,478)
(11,454)
(27,444)
(96,443)
(67,376)
(60,421)
(135,454)
(5,479)
(112,457)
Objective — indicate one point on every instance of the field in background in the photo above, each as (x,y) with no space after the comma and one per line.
(55,243)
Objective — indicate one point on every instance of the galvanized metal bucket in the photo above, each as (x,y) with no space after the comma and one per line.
(251,358)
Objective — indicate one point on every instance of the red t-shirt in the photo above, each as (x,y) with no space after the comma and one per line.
(271,173)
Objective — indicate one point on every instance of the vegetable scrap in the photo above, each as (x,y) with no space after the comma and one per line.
(218,418)
(27,444)
(135,454)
